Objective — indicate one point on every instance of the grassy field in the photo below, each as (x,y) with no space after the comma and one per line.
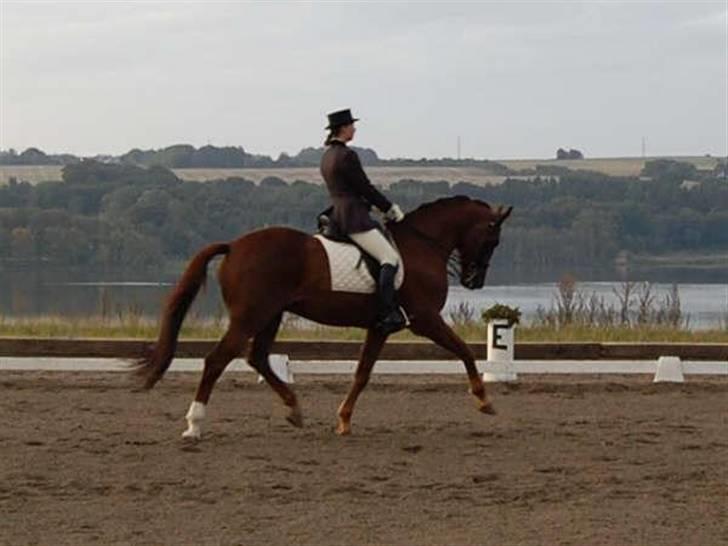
(613,166)
(380,175)
(136,327)
(625,166)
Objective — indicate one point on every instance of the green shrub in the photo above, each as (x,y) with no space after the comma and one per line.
(500,311)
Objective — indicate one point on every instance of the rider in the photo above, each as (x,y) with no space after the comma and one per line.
(352,196)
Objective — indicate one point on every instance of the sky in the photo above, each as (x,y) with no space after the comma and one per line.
(509,79)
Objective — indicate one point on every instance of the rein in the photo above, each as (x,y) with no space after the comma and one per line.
(452,257)
(453,260)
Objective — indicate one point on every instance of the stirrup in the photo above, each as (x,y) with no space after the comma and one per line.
(392,322)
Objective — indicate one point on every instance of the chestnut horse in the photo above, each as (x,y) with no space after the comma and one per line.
(277,269)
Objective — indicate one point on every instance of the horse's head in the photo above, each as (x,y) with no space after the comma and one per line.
(469,226)
(478,243)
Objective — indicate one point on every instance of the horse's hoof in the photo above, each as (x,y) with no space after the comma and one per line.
(191,435)
(295,417)
(343,429)
(488,409)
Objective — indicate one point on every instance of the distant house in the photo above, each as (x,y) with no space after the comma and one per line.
(721,169)
(568,154)
(690,184)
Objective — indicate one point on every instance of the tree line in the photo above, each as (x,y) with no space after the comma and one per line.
(121,215)
(185,156)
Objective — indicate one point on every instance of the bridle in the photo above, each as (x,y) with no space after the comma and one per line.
(452,257)
(481,263)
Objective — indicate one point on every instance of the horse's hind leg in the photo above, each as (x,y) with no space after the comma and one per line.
(258,359)
(227,349)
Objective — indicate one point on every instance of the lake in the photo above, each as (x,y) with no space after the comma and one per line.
(65,292)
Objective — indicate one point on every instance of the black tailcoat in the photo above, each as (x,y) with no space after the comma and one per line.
(352,194)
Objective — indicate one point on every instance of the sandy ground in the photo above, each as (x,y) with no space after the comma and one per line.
(586,461)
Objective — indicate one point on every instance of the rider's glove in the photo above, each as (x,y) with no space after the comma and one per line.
(394,213)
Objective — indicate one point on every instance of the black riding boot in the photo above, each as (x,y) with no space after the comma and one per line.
(390,318)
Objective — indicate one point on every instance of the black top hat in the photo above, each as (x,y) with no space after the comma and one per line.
(342,117)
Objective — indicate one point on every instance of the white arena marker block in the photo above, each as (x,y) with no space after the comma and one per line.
(279,365)
(669,370)
(499,366)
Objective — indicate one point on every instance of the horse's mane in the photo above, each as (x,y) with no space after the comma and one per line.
(442,202)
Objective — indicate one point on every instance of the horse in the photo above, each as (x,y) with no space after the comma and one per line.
(273,270)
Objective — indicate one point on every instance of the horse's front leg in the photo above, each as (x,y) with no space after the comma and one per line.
(369,354)
(437,330)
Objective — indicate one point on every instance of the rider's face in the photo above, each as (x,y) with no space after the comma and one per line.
(346,133)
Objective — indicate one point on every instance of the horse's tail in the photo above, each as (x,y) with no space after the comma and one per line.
(151,367)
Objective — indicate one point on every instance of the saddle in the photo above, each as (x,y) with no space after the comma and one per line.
(328,228)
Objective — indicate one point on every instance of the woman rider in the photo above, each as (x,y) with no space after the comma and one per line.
(352,196)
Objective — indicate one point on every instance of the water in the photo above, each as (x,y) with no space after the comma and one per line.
(71,293)
(705,304)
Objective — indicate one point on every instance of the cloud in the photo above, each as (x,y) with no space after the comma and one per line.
(512,79)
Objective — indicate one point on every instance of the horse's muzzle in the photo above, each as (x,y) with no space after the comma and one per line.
(474,279)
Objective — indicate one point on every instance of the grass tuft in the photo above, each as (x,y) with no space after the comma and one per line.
(136,326)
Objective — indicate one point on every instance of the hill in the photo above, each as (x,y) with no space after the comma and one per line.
(388,174)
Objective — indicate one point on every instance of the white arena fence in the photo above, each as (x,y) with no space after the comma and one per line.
(664,369)
(499,364)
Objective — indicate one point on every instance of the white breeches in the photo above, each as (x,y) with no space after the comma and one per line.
(377,245)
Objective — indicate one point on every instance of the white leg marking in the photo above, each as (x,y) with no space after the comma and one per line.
(195,416)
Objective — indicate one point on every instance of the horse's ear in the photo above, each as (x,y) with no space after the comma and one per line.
(503,215)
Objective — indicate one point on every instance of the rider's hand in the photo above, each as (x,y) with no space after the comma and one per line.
(394,213)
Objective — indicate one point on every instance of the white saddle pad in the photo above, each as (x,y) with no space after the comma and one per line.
(348,271)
